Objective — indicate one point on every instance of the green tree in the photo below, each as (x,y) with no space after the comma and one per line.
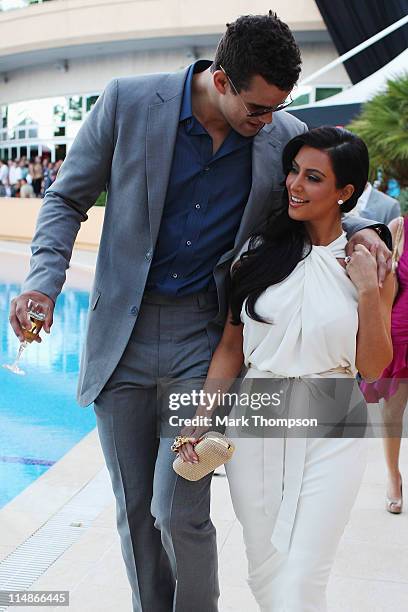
(383,124)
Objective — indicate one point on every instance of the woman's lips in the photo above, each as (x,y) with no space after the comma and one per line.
(297,204)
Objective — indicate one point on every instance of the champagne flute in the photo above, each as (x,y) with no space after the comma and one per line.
(37,312)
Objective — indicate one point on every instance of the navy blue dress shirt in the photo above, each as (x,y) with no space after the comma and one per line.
(205,200)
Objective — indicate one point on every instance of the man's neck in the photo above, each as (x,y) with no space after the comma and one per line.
(204,103)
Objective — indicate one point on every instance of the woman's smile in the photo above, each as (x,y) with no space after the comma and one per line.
(296,202)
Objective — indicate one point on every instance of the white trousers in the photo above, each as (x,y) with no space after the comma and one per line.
(294,578)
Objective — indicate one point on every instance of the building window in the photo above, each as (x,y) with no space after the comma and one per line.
(90,102)
(60,152)
(326,92)
(3,116)
(9,5)
(59,131)
(47,124)
(59,113)
(302,99)
(75,108)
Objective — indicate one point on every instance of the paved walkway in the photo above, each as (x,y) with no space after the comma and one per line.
(370,573)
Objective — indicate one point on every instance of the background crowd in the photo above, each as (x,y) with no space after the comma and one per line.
(22,178)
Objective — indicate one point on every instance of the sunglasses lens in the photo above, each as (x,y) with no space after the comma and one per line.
(266,111)
(259,113)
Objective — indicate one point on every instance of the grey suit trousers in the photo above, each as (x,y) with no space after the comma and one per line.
(168,540)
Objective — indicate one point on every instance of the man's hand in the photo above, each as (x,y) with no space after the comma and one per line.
(19,319)
(371,240)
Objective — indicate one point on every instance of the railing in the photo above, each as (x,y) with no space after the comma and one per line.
(9,5)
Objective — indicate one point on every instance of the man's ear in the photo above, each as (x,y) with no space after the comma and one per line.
(220,82)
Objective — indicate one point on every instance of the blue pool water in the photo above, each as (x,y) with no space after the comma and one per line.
(39,418)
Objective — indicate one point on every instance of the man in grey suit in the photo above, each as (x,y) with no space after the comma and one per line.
(192,164)
(376,205)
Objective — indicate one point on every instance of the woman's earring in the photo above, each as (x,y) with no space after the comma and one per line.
(340,202)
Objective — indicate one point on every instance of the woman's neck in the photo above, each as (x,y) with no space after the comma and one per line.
(323,232)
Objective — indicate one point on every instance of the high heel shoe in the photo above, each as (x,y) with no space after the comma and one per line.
(394,506)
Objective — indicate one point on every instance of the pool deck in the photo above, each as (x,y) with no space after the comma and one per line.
(370,572)
(14,261)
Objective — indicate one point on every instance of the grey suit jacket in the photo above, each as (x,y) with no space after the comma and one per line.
(126,145)
(381,207)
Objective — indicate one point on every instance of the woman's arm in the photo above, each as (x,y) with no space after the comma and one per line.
(225,366)
(228,357)
(374,344)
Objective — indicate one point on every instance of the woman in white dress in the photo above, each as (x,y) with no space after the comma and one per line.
(300,309)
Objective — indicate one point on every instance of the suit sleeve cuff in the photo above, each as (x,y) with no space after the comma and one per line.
(384,233)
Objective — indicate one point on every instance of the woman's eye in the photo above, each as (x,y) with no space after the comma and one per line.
(293,169)
(314,178)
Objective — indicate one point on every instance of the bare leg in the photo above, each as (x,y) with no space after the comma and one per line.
(393,412)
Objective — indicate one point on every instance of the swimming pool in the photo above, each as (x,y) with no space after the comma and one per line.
(39,418)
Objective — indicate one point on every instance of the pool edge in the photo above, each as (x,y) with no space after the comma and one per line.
(29,510)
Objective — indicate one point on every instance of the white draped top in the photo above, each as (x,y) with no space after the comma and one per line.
(312,319)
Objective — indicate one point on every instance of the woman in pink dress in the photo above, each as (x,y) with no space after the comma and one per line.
(393,384)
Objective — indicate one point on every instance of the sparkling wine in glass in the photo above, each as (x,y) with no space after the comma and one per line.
(37,312)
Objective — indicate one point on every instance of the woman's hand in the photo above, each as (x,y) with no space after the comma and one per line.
(373,243)
(362,269)
(186,451)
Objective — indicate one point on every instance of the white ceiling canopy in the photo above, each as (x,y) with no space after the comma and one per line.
(369,87)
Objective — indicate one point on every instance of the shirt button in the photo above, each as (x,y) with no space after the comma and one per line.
(134,310)
(206,169)
(174,275)
(197,206)
(148,255)
(188,243)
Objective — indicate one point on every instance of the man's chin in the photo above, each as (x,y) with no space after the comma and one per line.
(249,129)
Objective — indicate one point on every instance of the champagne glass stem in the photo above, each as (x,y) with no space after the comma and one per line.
(14,367)
(23,345)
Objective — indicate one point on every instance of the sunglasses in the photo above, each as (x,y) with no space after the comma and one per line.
(262,111)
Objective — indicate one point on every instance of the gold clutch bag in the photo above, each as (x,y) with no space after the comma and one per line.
(213,449)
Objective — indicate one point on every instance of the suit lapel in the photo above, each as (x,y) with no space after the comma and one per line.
(266,177)
(162,124)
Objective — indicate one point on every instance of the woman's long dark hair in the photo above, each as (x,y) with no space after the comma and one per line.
(275,252)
